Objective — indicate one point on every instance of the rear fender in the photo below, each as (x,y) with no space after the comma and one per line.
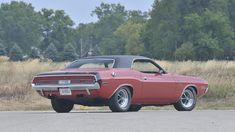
(120,86)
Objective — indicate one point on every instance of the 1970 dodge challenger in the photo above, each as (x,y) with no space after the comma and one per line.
(124,83)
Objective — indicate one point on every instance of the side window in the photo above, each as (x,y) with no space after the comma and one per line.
(145,66)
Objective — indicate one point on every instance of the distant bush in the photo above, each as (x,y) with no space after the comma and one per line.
(16,53)
(69,53)
(51,52)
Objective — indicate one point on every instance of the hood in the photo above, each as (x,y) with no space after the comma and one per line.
(187,78)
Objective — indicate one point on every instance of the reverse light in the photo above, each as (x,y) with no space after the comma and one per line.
(206,89)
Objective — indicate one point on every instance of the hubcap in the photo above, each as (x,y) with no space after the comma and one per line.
(122,98)
(187,99)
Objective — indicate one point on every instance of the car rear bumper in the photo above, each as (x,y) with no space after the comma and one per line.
(54,87)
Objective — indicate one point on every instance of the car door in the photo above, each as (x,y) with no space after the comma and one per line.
(157,87)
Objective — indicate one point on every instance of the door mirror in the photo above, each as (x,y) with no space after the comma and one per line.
(161,71)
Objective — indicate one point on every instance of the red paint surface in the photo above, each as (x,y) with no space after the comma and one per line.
(158,89)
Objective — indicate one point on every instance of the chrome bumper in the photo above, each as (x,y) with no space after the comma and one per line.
(55,87)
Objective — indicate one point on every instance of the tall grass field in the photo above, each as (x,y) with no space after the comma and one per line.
(16,92)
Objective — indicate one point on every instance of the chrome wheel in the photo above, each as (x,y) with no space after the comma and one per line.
(187,98)
(123,98)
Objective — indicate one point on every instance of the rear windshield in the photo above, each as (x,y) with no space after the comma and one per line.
(92,63)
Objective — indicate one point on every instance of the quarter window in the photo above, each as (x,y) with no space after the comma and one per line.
(145,66)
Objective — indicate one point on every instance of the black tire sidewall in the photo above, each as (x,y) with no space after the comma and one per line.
(113,103)
(61,105)
(135,108)
(180,107)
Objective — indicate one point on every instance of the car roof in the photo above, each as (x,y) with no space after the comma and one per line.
(121,61)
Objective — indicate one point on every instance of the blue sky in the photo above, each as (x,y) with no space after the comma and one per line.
(80,10)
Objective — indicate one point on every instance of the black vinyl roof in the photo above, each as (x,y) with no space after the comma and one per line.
(121,61)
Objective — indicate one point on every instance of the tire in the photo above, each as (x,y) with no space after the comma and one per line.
(121,100)
(187,100)
(61,106)
(134,108)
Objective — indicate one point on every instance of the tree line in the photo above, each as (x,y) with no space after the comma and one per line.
(172,30)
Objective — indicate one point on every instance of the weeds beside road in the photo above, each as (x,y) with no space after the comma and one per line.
(16,92)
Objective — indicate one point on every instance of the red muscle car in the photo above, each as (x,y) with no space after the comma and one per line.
(124,83)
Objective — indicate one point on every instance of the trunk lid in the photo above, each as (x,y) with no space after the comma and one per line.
(68,76)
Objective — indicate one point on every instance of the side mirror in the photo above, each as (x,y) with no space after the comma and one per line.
(161,72)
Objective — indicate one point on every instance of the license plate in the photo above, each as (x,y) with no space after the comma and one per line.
(64,82)
(65,91)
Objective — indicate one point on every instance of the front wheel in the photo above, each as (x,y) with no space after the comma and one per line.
(61,105)
(121,100)
(187,100)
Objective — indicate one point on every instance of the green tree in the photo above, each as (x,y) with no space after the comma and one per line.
(2,49)
(15,53)
(20,24)
(69,53)
(162,36)
(129,32)
(211,35)
(57,28)
(105,10)
(34,53)
(51,53)
(137,16)
(47,27)
(231,9)
(85,39)
(206,24)
(111,16)
(113,46)
(1,32)
(185,52)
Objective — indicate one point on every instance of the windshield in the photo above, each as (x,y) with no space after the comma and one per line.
(92,63)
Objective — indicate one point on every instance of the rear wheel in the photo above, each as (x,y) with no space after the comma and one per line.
(187,100)
(135,108)
(61,105)
(121,100)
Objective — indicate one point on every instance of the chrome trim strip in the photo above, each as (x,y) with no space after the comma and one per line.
(58,75)
(71,86)
(88,92)
(122,85)
(42,92)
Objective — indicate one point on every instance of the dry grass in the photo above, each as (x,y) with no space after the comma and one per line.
(15,88)
(16,92)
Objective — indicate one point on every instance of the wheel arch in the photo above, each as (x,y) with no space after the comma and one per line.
(129,86)
(190,86)
(194,88)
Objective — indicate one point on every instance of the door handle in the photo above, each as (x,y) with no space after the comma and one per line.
(145,78)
